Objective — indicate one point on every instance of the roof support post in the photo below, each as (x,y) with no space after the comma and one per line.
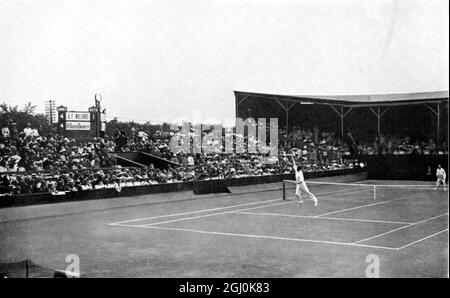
(438,116)
(437,112)
(287,115)
(378,113)
(286,109)
(342,121)
(342,113)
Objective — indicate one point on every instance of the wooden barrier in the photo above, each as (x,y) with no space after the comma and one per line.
(404,167)
(199,187)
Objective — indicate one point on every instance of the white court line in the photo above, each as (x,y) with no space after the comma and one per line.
(266,237)
(368,220)
(363,206)
(192,212)
(335,193)
(401,228)
(232,211)
(403,185)
(422,239)
(212,214)
(221,208)
(356,244)
(329,218)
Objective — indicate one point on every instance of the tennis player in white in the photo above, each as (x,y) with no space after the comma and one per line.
(301,185)
(440,174)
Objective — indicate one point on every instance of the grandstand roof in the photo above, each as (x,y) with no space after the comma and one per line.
(356,100)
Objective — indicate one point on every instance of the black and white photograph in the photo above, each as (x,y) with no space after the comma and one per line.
(224,145)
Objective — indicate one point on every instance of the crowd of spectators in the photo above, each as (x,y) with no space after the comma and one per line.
(31,163)
(200,167)
(157,143)
(28,151)
(34,163)
(400,146)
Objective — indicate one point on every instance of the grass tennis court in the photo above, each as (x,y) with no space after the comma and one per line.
(247,234)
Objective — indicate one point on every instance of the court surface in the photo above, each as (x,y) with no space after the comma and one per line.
(247,234)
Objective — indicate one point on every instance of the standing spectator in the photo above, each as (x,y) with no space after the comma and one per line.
(14,132)
(351,143)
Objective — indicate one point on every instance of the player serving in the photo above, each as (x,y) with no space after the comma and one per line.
(301,185)
(440,174)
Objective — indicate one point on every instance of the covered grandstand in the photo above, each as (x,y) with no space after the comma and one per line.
(419,115)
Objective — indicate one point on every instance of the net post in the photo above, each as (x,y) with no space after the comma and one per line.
(374,192)
(284,190)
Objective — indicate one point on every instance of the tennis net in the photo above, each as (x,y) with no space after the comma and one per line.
(29,269)
(368,191)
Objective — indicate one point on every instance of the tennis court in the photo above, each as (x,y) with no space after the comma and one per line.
(247,234)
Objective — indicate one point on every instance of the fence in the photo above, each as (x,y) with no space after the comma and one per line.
(199,187)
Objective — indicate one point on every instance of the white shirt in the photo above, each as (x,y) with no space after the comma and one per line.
(28,131)
(299,176)
(440,172)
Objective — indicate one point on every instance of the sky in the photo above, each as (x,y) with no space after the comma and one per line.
(161,60)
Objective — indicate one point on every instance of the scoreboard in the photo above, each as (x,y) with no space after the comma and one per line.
(81,124)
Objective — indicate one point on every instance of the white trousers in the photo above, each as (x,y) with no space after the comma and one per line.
(301,187)
(439,181)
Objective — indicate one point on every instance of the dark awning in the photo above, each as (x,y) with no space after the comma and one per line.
(354,100)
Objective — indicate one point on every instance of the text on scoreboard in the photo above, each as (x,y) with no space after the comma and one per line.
(78,116)
(78,126)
